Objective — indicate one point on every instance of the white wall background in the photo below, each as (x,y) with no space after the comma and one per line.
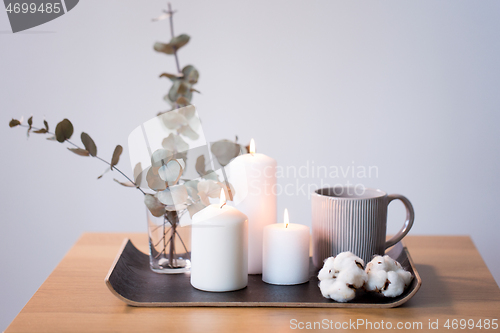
(410,87)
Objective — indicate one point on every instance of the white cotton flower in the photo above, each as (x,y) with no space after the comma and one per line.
(337,290)
(387,276)
(341,275)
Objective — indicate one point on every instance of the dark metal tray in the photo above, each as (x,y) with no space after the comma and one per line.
(131,280)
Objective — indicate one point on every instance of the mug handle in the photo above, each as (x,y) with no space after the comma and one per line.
(410,216)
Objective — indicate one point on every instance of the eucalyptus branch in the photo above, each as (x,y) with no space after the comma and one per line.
(171,19)
(99,158)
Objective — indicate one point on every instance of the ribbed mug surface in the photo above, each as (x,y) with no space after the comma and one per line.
(348,221)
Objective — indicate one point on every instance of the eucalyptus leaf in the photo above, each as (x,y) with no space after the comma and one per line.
(189,112)
(154,205)
(188,132)
(175,143)
(181,100)
(178,89)
(191,74)
(64,130)
(79,151)
(170,172)
(195,208)
(210,188)
(116,156)
(225,151)
(89,144)
(192,192)
(161,157)
(172,77)
(14,123)
(204,198)
(174,120)
(126,184)
(30,125)
(154,181)
(164,48)
(179,41)
(43,130)
(192,184)
(138,174)
(176,208)
(200,165)
(211,175)
(173,195)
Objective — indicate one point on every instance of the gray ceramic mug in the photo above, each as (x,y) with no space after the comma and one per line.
(353,219)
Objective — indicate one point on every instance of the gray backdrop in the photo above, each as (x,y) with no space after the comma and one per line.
(409,87)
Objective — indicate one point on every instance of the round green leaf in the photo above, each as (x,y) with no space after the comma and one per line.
(154,205)
(179,41)
(173,119)
(154,181)
(79,151)
(174,142)
(116,156)
(170,172)
(164,48)
(64,130)
(191,74)
(14,123)
(225,151)
(89,144)
(161,157)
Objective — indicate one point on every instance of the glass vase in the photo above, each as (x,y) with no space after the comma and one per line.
(169,244)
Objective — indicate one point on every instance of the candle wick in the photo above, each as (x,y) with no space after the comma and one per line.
(222,205)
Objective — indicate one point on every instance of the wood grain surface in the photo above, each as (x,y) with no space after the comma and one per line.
(456,285)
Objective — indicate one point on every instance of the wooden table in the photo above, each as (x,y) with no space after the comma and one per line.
(456,285)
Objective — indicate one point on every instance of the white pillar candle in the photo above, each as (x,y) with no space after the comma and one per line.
(286,253)
(259,204)
(219,248)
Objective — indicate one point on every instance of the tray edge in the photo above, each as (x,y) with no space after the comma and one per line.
(260,304)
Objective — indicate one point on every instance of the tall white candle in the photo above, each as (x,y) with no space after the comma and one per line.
(286,253)
(260,203)
(219,248)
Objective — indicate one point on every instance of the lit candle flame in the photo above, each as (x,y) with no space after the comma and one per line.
(252,147)
(286,219)
(222,200)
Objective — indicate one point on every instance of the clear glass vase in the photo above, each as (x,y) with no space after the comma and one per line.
(169,244)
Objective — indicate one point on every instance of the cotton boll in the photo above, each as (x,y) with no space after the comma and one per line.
(376,280)
(354,276)
(341,275)
(344,260)
(394,285)
(338,291)
(328,272)
(377,264)
(386,276)
(391,264)
(406,276)
(325,287)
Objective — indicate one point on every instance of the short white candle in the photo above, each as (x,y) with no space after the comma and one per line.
(286,253)
(260,203)
(219,248)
